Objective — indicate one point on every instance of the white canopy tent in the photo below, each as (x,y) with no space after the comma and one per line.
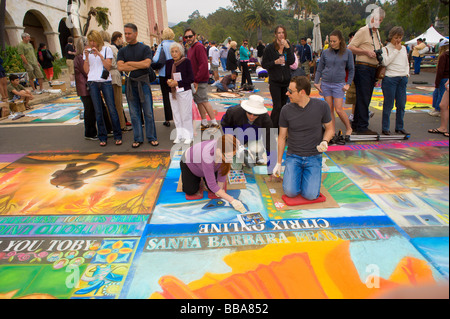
(317,35)
(431,37)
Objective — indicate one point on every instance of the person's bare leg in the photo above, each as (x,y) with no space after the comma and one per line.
(202,111)
(208,109)
(444,113)
(3,88)
(41,84)
(338,104)
(32,84)
(329,100)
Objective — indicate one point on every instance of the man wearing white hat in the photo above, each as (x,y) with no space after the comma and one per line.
(251,124)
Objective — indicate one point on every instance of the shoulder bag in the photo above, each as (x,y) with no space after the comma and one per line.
(161,61)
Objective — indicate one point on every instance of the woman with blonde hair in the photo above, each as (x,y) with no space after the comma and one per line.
(97,64)
(164,49)
(232,64)
(116,78)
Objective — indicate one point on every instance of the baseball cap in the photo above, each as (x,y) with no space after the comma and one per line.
(443,42)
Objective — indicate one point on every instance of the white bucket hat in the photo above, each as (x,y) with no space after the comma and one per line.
(254,105)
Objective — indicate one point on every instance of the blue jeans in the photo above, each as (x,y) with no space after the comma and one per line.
(364,84)
(220,87)
(303,176)
(224,63)
(394,89)
(136,108)
(95,88)
(417,61)
(437,95)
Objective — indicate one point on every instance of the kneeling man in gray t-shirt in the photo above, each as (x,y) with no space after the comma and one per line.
(301,124)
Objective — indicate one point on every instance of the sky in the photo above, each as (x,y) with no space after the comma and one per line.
(180,10)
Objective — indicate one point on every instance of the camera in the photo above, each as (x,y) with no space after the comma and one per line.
(105,74)
(379,54)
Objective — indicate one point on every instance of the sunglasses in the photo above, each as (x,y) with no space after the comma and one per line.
(188,36)
(290,91)
(252,114)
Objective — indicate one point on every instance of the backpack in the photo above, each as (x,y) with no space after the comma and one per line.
(424,50)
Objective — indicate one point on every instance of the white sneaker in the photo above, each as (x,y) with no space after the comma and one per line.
(260,161)
(177,140)
(434,113)
(188,141)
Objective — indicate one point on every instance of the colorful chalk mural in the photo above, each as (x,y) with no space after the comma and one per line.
(116,226)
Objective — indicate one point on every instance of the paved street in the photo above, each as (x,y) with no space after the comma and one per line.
(70,138)
(82,221)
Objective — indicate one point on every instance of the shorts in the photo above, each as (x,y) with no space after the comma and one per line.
(34,71)
(332,89)
(48,73)
(350,96)
(214,68)
(201,96)
(70,66)
(306,67)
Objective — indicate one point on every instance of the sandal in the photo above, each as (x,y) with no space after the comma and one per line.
(154,143)
(136,144)
(103,143)
(446,134)
(118,142)
(436,131)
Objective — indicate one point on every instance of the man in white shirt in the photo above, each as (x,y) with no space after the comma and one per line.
(214,60)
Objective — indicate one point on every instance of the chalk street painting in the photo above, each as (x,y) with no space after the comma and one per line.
(411,185)
(82,184)
(116,226)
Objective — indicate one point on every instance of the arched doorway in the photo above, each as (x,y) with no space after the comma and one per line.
(36,25)
(41,31)
(9,37)
(64,33)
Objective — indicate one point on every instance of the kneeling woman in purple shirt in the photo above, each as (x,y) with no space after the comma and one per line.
(210,160)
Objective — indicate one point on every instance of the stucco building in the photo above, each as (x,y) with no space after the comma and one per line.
(53,21)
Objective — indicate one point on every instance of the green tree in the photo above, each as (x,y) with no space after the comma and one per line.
(259,13)
(101,15)
(244,5)
(420,14)
(300,7)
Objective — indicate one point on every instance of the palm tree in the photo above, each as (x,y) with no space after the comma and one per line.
(300,7)
(259,13)
(101,15)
